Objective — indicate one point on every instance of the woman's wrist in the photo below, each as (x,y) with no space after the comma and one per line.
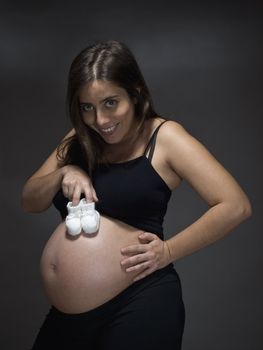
(169,256)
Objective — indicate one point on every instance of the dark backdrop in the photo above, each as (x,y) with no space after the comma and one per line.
(203,65)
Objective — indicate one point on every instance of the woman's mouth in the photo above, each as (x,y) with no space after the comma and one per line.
(110,130)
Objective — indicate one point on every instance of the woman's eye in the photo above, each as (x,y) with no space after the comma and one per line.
(85,107)
(111,103)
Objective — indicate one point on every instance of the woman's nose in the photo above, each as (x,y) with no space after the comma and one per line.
(102,118)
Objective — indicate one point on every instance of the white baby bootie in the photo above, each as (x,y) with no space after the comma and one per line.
(90,218)
(72,221)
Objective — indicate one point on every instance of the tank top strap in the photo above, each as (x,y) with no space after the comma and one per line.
(152,141)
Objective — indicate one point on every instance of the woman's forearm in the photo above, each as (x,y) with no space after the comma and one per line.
(38,192)
(210,227)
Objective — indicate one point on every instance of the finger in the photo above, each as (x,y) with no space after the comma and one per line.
(134,260)
(70,192)
(65,191)
(88,194)
(95,196)
(147,235)
(147,259)
(142,266)
(76,195)
(138,248)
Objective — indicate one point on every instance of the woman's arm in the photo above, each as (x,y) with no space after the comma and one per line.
(40,188)
(229,205)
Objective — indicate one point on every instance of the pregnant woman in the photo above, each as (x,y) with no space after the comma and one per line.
(117,288)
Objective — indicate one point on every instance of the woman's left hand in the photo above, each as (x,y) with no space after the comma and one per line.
(147,257)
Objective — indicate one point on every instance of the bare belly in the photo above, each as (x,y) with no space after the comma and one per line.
(83,272)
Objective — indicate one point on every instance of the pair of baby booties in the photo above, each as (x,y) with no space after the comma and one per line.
(82,217)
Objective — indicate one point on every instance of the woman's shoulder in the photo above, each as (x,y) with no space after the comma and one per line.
(172,134)
(167,127)
(171,124)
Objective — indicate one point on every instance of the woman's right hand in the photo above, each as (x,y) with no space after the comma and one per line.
(75,181)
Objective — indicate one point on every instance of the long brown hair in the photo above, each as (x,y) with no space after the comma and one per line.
(109,61)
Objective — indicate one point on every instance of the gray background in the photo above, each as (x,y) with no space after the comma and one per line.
(203,65)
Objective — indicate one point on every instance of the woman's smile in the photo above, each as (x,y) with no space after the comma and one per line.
(110,130)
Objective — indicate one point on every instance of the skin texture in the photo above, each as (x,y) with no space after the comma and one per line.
(75,271)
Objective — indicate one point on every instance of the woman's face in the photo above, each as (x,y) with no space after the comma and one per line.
(108,109)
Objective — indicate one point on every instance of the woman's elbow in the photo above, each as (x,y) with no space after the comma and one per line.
(244,209)
(247,210)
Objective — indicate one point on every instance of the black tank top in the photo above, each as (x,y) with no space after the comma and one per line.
(131,191)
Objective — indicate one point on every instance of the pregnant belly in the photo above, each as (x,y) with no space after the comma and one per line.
(83,272)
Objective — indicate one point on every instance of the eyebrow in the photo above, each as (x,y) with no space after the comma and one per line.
(106,98)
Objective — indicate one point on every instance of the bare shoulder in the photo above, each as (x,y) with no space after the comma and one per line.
(176,141)
(173,134)
(192,161)
(172,128)
(184,153)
